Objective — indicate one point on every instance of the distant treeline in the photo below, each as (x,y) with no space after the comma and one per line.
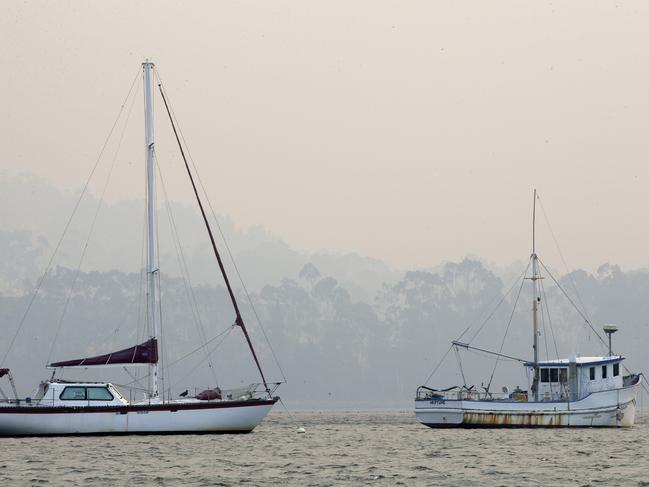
(334,351)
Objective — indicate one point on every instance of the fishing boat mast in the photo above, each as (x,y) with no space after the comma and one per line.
(536,300)
(152,244)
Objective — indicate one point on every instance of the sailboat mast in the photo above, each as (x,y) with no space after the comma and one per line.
(536,299)
(152,244)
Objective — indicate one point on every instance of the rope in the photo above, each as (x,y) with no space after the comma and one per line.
(290,416)
(67,225)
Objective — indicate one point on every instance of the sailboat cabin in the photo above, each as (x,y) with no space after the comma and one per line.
(564,379)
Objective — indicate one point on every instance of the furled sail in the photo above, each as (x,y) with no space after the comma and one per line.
(144,353)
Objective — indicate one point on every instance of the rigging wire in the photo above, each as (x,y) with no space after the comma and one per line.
(502,343)
(459,363)
(545,335)
(547,309)
(218,225)
(544,332)
(498,305)
(162,330)
(142,312)
(140,329)
(184,271)
(188,354)
(90,231)
(238,317)
(209,357)
(586,320)
(481,326)
(582,314)
(135,379)
(438,364)
(138,310)
(67,225)
(565,265)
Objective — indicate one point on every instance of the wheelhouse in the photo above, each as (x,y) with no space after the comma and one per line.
(572,379)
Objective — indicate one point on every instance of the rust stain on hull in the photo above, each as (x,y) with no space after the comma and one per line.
(509,419)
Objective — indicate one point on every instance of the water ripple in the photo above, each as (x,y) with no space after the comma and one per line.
(340,448)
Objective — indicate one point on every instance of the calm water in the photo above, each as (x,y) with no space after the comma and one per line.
(339,448)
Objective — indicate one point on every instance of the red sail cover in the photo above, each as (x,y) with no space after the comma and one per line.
(144,353)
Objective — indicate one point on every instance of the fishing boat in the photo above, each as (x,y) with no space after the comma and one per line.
(70,407)
(561,392)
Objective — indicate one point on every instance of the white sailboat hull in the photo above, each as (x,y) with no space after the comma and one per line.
(241,417)
(612,408)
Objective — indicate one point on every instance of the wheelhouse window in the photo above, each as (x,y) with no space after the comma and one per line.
(604,371)
(554,375)
(73,394)
(616,370)
(592,373)
(545,375)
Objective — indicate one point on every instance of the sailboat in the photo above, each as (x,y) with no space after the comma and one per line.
(64,407)
(564,392)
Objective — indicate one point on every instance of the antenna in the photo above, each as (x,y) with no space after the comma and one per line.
(534,223)
(609,330)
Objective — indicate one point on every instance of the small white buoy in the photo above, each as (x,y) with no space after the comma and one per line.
(301,430)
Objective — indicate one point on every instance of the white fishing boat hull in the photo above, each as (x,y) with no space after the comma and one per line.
(612,408)
(223,417)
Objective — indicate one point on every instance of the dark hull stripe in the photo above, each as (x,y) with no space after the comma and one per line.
(139,433)
(134,408)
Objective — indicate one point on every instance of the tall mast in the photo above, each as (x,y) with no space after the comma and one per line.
(152,234)
(536,299)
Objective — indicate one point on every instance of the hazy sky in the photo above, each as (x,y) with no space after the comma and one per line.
(409,131)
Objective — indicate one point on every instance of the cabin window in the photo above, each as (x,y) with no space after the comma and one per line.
(99,394)
(616,370)
(545,375)
(604,367)
(73,394)
(563,375)
(592,373)
(554,375)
